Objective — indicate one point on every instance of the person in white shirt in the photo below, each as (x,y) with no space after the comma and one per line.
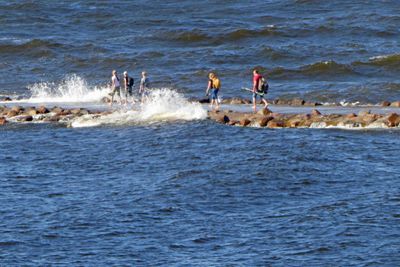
(144,86)
(115,87)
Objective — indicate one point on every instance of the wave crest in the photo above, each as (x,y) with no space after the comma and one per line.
(163,105)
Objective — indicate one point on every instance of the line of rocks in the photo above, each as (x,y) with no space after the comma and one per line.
(291,102)
(267,118)
(41,114)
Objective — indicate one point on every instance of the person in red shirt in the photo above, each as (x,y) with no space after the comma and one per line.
(256,85)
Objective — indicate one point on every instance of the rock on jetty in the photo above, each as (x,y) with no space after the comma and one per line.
(314,119)
(17,114)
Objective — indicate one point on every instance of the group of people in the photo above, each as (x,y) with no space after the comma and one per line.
(259,89)
(128,87)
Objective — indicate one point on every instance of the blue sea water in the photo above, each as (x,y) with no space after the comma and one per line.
(174,192)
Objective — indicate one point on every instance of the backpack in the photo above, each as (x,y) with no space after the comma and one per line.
(263,85)
(131,82)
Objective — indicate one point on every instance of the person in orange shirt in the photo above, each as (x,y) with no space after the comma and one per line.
(214,85)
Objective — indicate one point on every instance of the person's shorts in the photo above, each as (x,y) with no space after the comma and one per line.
(116,90)
(128,91)
(214,94)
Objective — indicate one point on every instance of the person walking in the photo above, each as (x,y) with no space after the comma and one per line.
(144,86)
(128,82)
(259,89)
(115,87)
(214,85)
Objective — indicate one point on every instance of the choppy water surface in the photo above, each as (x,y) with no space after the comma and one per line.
(199,194)
(163,185)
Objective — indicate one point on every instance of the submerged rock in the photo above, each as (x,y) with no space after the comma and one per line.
(3,121)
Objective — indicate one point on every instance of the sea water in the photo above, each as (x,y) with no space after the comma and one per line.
(158,183)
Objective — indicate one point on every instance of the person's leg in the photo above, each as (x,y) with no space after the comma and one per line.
(265,102)
(254,103)
(112,96)
(216,100)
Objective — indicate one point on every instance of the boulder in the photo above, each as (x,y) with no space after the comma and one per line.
(42,110)
(17,109)
(31,112)
(312,104)
(274,123)
(393,120)
(244,122)
(385,104)
(264,121)
(297,102)
(75,111)
(57,110)
(369,118)
(395,104)
(24,118)
(3,121)
(12,113)
(315,112)
(5,99)
(223,119)
(351,116)
(232,122)
(264,111)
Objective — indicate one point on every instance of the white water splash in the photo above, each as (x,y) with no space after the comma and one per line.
(73,89)
(162,105)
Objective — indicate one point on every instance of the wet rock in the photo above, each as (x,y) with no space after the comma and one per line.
(233,122)
(75,111)
(318,124)
(17,109)
(385,104)
(5,99)
(264,111)
(274,123)
(368,118)
(57,110)
(108,100)
(53,118)
(312,104)
(315,112)
(201,101)
(31,112)
(223,119)
(393,120)
(351,116)
(12,113)
(244,122)
(42,110)
(264,121)
(3,121)
(297,102)
(24,118)
(395,104)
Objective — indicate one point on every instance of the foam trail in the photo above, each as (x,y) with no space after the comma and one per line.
(162,105)
(73,89)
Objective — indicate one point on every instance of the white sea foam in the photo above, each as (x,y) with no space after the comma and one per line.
(72,89)
(162,105)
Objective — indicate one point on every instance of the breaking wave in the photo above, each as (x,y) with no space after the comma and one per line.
(162,105)
(72,89)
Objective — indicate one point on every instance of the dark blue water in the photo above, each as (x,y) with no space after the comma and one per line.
(320,50)
(198,194)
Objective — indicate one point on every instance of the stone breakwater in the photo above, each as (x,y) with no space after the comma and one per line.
(263,118)
(267,118)
(296,102)
(20,114)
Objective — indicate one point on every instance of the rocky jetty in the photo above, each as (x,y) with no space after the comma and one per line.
(314,119)
(18,114)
